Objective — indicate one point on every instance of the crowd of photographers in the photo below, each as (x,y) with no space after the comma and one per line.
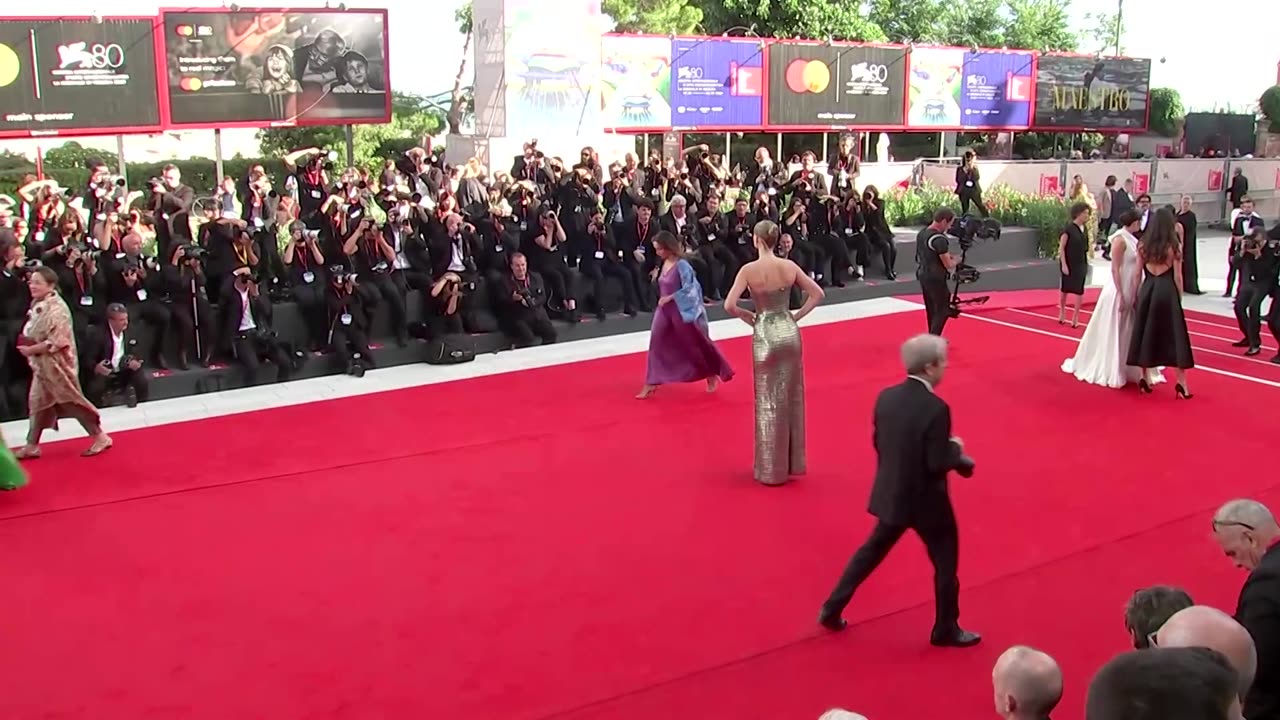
(487,251)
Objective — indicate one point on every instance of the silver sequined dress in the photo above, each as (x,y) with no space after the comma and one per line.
(779,384)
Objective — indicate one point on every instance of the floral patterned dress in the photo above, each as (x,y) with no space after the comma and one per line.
(55,383)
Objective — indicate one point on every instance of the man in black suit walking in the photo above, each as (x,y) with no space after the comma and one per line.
(1248,534)
(915,450)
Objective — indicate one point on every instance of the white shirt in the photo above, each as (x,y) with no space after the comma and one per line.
(246,318)
(397,245)
(923,380)
(117,350)
(456,263)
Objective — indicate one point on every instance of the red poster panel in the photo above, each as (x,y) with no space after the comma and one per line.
(1050,185)
(1215,181)
(1141,183)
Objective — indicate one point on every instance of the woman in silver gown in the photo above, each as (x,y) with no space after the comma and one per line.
(776,354)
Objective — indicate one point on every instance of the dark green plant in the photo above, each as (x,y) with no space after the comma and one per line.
(1166,111)
(1269,104)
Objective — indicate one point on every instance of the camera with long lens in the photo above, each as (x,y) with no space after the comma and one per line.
(28,266)
(340,275)
(193,253)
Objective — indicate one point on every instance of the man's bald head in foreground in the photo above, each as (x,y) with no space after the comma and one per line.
(1027,683)
(1207,627)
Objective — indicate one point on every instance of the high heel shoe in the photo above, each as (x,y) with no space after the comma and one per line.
(1181,392)
(1145,386)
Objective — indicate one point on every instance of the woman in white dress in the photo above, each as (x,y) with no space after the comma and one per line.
(1100,357)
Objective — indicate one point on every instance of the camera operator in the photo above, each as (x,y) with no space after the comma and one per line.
(681,184)
(170,205)
(101,192)
(822,222)
(371,258)
(531,167)
(70,232)
(620,198)
(786,248)
(636,253)
(305,262)
(844,167)
(934,263)
(185,287)
(796,224)
(498,236)
(116,362)
(713,248)
(312,178)
(879,235)
(45,198)
(545,257)
(577,197)
(15,298)
(764,175)
(601,261)
(1243,222)
(405,233)
(678,222)
(454,275)
(806,182)
(848,224)
(246,327)
(348,331)
(220,235)
(703,172)
(134,283)
(969,185)
(1259,264)
(85,291)
(589,161)
(737,226)
(524,309)
(654,181)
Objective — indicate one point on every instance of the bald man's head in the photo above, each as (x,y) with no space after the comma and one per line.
(1027,683)
(1206,627)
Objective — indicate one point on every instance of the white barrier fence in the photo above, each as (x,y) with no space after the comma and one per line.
(1206,181)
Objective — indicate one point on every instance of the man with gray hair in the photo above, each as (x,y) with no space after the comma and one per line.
(914,452)
(1207,627)
(1247,532)
(1027,683)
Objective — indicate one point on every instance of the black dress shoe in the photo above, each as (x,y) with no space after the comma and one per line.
(1241,343)
(956,638)
(834,623)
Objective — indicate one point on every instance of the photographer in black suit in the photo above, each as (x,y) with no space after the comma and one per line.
(933,264)
(117,362)
(348,331)
(915,450)
(523,314)
(1258,264)
(246,327)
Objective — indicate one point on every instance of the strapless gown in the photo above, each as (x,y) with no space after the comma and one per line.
(779,386)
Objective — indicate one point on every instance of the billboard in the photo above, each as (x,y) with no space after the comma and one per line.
(961,89)
(1086,93)
(268,67)
(552,68)
(77,76)
(717,83)
(635,82)
(813,85)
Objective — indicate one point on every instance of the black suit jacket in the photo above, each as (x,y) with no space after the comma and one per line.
(106,344)
(912,437)
(1259,612)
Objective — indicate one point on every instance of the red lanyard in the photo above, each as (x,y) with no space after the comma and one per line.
(642,231)
(371,250)
(524,282)
(80,281)
(301,254)
(600,240)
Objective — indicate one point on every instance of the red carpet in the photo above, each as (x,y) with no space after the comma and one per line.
(540,545)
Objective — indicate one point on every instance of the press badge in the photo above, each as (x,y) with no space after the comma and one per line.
(308,277)
(848,232)
(316,194)
(345,319)
(142,294)
(599,254)
(86,300)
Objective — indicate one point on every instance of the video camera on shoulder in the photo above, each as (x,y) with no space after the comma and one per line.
(969,230)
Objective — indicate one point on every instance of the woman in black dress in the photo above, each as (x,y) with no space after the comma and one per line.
(1160,337)
(1073,257)
(1190,271)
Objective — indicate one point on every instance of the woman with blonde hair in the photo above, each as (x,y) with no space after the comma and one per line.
(50,348)
(777,353)
(680,347)
(1079,193)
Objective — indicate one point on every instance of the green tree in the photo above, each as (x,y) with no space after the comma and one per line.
(413,120)
(656,17)
(1269,104)
(72,154)
(1103,33)
(813,19)
(1166,111)
(1039,25)
(461,101)
(973,23)
(907,22)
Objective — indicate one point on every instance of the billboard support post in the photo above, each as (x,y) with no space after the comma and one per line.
(351,145)
(217,153)
(123,167)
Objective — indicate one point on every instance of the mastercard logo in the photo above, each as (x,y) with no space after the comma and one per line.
(808,76)
(190,84)
(185,31)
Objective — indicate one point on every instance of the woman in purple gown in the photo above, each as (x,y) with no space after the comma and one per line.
(680,350)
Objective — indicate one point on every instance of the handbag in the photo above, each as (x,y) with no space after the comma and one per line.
(451,350)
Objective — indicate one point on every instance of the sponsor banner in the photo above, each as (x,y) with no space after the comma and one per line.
(836,85)
(955,88)
(717,83)
(635,81)
(77,76)
(277,68)
(1092,93)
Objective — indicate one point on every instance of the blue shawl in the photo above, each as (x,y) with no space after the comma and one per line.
(689,297)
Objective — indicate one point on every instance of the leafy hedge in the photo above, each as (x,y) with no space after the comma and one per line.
(199,173)
(1046,214)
